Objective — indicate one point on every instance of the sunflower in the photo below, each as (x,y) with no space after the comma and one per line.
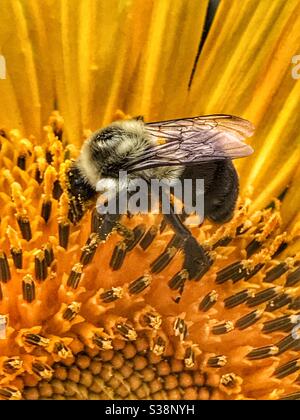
(120,319)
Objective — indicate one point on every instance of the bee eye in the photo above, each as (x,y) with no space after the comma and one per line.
(108,134)
(77,182)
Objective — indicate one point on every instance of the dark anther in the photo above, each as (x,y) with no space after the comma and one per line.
(278,302)
(96,221)
(28,289)
(231,272)
(293,278)
(149,237)
(5,275)
(57,190)
(255,270)
(46,210)
(49,255)
(291,397)
(175,242)
(283,323)
(42,370)
(40,266)
(287,369)
(208,301)
(36,340)
(290,342)
(24,226)
(118,255)
(17,256)
(178,280)
(138,233)
(63,234)
(222,242)
(262,352)
(163,225)
(137,286)
(21,162)
(89,250)
(253,247)
(71,311)
(237,299)
(102,342)
(38,176)
(111,295)
(162,260)
(217,361)
(248,320)
(75,276)
(49,157)
(275,272)
(262,297)
(222,328)
(280,249)
(126,331)
(295,304)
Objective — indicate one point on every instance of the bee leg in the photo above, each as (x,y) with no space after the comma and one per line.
(111,221)
(129,215)
(139,118)
(124,231)
(108,224)
(196,260)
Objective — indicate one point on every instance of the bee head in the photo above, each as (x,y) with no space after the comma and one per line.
(80,193)
(102,156)
(103,148)
(109,149)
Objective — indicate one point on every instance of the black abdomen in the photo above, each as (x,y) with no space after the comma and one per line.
(221,188)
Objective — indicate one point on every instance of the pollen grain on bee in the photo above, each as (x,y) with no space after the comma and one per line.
(159,196)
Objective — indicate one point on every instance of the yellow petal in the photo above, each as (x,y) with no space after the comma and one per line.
(38,37)
(112,35)
(61,21)
(9,115)
(291,204)
(245,69)
(160,87)
(15,46)
(138,57)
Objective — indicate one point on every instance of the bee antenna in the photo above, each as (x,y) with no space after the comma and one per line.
(139,118)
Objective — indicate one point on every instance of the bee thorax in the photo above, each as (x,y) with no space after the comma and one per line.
(170,174)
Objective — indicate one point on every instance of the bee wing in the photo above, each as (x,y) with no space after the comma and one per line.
(195,140)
